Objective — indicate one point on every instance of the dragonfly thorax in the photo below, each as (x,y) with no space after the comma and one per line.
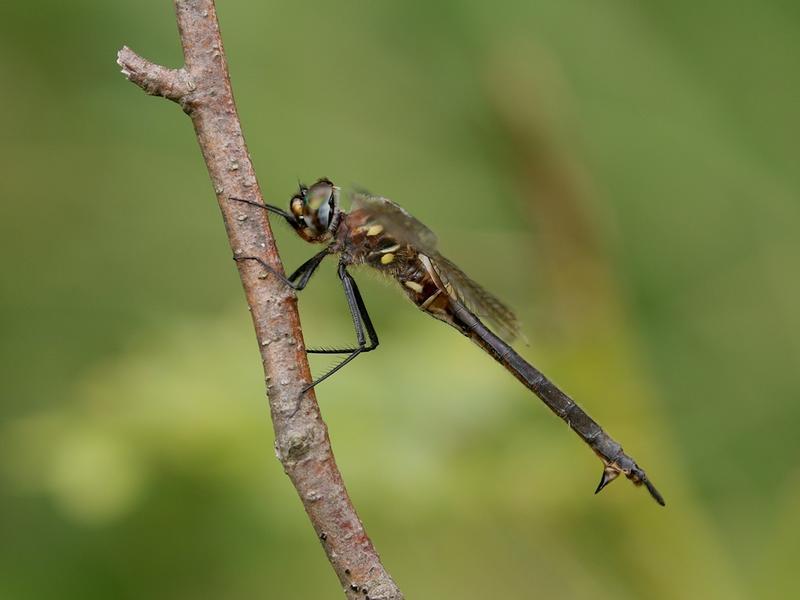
(315,211)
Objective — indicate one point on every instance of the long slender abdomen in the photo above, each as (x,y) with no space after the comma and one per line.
(607,449)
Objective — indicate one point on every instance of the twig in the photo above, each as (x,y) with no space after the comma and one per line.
(202,88)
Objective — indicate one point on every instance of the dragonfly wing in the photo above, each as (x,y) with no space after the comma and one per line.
(484,304)
(397,221)
(406,229)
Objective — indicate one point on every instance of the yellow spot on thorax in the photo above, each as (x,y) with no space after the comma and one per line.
(413,285)
(374,230)
(386,258)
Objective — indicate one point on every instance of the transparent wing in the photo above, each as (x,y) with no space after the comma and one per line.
(397,222)
(475,298)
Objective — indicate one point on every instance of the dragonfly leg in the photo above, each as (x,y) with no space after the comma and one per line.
(268,207)
(297,280)
(361,322)
(363,346)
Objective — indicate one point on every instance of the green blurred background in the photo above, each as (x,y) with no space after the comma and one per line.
(625,174)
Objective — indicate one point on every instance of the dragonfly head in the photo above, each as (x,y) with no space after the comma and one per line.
(316,211)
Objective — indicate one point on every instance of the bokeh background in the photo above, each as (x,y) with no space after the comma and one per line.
(625,174)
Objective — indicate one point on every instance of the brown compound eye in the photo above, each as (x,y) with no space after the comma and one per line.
(297,207)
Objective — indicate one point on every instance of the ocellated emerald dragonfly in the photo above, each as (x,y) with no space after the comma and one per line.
(379,233)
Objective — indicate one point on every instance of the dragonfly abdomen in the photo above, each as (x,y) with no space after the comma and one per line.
(610,452)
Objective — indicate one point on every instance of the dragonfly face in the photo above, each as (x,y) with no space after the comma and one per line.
(315,211)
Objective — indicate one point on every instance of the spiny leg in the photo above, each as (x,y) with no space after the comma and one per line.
(367,322)
(302,274)
(361,321)
(358,310)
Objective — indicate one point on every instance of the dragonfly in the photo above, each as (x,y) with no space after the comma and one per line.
(379,233)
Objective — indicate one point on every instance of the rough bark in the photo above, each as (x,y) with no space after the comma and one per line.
(202,88)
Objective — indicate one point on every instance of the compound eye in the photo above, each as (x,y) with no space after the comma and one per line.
(297,207)
(324,215)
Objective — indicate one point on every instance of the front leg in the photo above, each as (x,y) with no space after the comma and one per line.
(301,276)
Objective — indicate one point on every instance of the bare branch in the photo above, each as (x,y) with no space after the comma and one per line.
(202,88)
(173,84)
